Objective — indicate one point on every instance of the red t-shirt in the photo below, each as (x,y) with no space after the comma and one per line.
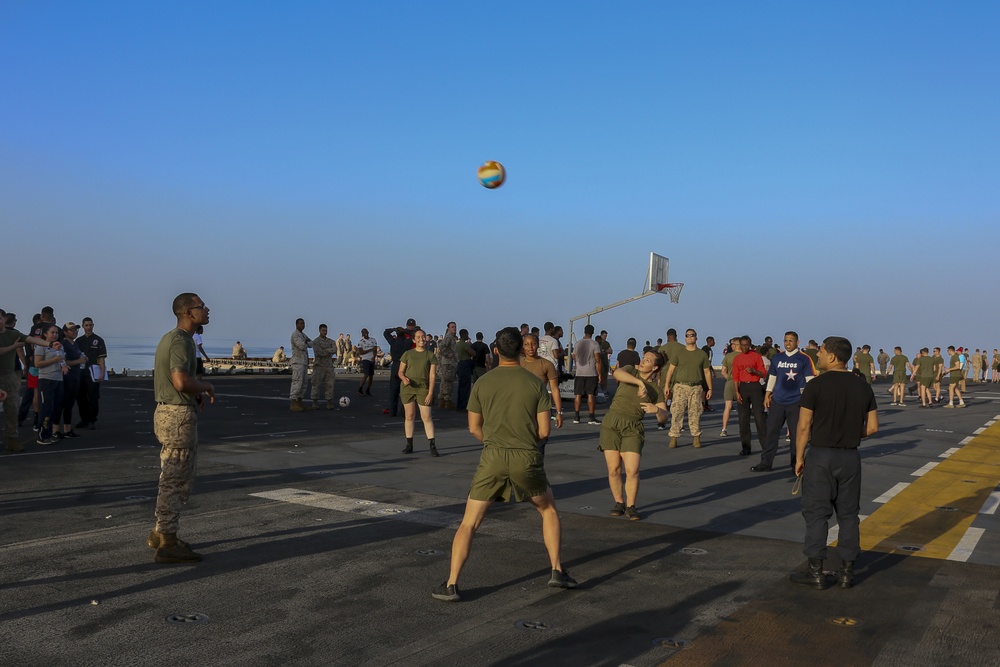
(745,360)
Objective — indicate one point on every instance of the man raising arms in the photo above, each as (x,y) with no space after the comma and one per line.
(509,414)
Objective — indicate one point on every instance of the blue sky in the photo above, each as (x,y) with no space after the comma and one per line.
(823,167)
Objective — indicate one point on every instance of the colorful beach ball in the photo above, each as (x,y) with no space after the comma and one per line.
(492,174)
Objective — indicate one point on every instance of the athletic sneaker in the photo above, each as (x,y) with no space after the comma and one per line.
(446,593)
(71,434)
(631,513)
(594,421)
(950,405)
(661,427)
(618,509)
(961,405)
(722,433)
(576,421)
(561,579)
(50,441)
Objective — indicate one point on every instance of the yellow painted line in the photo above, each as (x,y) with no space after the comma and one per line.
(963,481)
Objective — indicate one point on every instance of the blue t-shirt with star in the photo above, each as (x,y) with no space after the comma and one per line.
(790,372)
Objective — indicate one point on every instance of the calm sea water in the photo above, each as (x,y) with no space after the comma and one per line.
(136,353)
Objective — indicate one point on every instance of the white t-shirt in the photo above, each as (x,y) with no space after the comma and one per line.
(367,347)
(547,346)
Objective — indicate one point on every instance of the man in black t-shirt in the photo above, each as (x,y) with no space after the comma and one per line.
(837,410)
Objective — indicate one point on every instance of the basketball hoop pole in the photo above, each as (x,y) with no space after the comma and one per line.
(572,337)
(656,274)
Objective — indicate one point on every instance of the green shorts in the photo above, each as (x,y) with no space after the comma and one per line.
(729,392)
(925,381)
(899,378)
(410,394)
(620,433)
(504,474)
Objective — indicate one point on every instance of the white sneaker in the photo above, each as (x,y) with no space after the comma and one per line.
(723,433)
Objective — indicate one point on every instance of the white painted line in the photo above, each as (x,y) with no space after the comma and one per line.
(891,493)
(991,422)
(520,530)
(966,545)
(948,452)
(259,435)
(834,534)
(991,504)
(60,451)
(978,431)
(926,468)
(937,430)
(965,441)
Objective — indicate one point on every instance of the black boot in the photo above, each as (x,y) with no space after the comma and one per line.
(409,446)
(811,576)
(845,575)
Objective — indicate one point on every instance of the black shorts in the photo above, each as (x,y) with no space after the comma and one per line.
(199,367)
(585,386)
(367,367)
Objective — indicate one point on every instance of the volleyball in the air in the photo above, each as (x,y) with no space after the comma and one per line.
(344,401)
(492,175)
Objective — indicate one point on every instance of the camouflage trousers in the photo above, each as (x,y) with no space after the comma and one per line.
(322,382)
(691,399)
(176,427)
(447,372)
(298,382)
(10,382)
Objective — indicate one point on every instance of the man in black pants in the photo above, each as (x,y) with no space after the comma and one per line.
(837,410)
(94,348)
(748,369)
(400,340)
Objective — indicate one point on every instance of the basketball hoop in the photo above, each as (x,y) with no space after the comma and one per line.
(673,289)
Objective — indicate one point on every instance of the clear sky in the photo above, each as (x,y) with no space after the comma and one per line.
(825,167)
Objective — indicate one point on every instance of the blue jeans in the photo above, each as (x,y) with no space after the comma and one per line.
(51,393)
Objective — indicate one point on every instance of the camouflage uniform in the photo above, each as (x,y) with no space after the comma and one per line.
(447,367)
(691,398)
(300,362)
(323,375)
(176,427)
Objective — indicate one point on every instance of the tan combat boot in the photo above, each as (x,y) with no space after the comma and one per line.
(697,442)
(14,446)
(172,550)
(673,443)
(156,539)
(296,406)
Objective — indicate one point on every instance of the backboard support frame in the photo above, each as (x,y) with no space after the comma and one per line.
(657,274)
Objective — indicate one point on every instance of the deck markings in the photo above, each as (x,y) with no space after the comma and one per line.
(912,514)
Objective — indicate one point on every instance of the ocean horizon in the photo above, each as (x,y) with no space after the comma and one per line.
(136,352)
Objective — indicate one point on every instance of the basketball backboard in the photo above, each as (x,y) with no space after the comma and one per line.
(658,269)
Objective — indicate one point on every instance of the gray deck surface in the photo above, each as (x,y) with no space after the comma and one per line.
(322,543)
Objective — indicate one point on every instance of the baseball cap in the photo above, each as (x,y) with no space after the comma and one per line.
(70,325)
(411,322)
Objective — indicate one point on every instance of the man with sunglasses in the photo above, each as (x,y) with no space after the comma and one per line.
(180,396)
(686,383)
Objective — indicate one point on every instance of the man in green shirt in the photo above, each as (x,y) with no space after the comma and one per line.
(179,397)
(509,414)
(687,378)
(924,375)
(901,369)
(812,351)
(938,373)
(954,378)
(864,362)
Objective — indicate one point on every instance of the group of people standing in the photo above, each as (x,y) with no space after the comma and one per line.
(62,370)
